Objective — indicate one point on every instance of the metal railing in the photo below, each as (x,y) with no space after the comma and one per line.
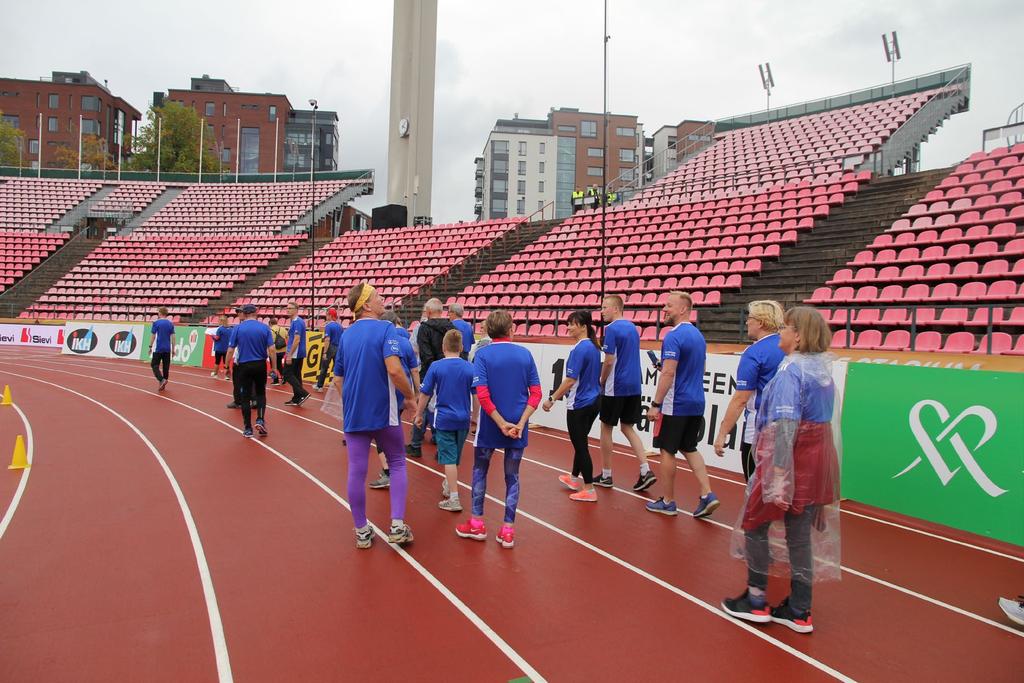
(185,178)
(632,180)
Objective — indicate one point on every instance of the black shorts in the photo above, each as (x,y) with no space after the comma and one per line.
(620,409)
(218,357)
(678,433)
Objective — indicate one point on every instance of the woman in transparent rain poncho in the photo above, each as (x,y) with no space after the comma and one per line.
(790,517)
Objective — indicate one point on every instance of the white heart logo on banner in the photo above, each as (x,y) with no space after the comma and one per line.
(966,455)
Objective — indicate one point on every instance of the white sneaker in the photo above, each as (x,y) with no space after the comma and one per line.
(1014,609)
(445,491)
(451,505)
(213,374)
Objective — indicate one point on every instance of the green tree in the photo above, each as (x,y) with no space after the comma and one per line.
(179,143)
(94,154)
(11,140)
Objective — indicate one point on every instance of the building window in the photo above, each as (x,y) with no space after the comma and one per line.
(627,155)
(500,166)
(522,168)
(595,152)
(499,186)
(520,206)
(540,186)
(273,112)
(522,148)
(90,103)
(90,127)
(625,132)
(540,166)
(211,108)
(540,204)
(11,119)
(521,187)
(628,174)
(225,155)
(499,146)
(588,129)
(499,205)
(53,124)
(33,147)
(54,101)
(224,109)
(594,171)
(542,150)
(250,153)
(567,129)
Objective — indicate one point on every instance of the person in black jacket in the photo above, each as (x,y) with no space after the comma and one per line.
(429,342)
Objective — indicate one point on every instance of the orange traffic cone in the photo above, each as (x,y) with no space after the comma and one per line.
(7,396)
(19,461)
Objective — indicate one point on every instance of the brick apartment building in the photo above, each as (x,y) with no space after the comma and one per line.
(54,104)
(263,127)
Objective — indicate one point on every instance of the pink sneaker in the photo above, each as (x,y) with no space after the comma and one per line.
(569,482)
(584,496)
(472,528)
(506,537)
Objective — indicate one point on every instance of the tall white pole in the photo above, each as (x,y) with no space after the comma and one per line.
(202,129)
(120,143)
(159,136)
(277,124)
(79,146)
(238,146)
(39,151)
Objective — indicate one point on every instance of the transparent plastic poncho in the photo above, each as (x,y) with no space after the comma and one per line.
(797,471)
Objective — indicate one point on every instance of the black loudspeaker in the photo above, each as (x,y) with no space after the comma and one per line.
(389,216)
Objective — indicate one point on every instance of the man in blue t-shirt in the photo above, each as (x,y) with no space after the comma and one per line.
(231,360)
(677,411)
(758,365)
(221,337)
(295,354)
(332,334)
(253,343)
(368,370)
(160,348)
(620,380)
(455,313)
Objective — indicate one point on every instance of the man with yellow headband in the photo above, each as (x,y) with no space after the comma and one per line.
(368,370)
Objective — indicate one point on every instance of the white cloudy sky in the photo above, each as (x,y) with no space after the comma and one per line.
(668,60)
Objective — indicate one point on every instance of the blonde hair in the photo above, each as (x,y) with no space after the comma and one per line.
(768,313)
(687,299)
(452,342)
(616,301)
(815,335)
(498,324)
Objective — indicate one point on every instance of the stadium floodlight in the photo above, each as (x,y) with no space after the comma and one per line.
(892,54)
(312,218)
(767,82)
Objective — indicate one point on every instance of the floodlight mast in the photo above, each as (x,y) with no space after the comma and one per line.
(892,54)
(767,82)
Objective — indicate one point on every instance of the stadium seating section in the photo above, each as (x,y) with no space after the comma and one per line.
(35,204)
(23,250)
(130,197)
(128,277)
(400,261)
(233,208)
(953,259)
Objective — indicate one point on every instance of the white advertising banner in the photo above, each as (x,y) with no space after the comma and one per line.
(719,386)
(105,340)
(31,335)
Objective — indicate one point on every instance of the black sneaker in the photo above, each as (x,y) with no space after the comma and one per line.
(233,406)
(786,615)
(291,402)
(645,481)
(601,480)
(741,608)
(302,399)
(413,451)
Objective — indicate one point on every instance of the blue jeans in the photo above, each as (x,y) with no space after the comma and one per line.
(416,438)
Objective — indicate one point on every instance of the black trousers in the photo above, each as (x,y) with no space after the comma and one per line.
(236,388)
(252,385)
(748,461)
(293,375)
(579,423)
(801,557)
(160,360)
(325,363)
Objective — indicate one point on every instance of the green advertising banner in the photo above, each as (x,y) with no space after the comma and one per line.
(189,342)
(942,445)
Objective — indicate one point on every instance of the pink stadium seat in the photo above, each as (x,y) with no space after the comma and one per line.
(896,340)
(868,339)
(959,342)
(928,341)
(1001,343)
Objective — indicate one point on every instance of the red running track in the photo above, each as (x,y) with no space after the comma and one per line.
(101,581)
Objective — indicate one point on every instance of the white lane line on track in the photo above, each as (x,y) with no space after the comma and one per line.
(548,432)
(220,646)
(821,666)
(867,577)
(30,444)
(473,618)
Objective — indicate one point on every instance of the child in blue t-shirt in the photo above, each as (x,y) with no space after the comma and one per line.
(451,381)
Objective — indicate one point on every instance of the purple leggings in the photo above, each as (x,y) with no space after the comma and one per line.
(392,440)
(481,463)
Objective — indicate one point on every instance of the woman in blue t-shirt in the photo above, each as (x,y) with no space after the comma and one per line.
(582,389)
